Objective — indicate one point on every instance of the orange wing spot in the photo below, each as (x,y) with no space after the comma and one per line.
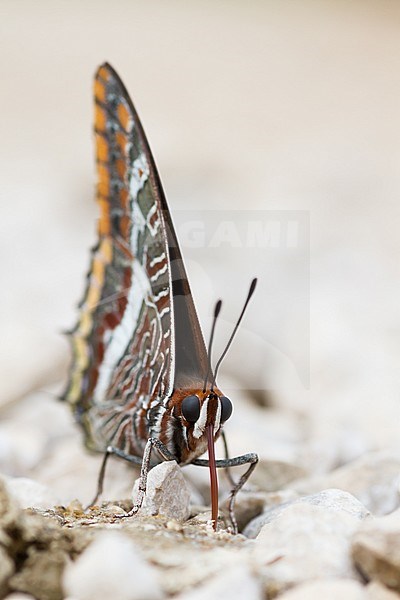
(124,117)
(103,175)
(104,73)
(121,168)
(121,140)
(104,226)
(99,90)
(124,199)
(100,118)
(124,226)
(101,148)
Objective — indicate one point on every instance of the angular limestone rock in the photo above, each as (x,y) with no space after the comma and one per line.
(167,492)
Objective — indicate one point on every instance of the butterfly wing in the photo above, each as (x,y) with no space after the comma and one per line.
(126,344)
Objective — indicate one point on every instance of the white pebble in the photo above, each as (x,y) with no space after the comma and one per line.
(111,567)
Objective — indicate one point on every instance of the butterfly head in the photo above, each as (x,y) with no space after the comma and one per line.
(202,414)
(202,410)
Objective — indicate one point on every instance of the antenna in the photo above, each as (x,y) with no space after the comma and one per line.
(249,295)
(217,310)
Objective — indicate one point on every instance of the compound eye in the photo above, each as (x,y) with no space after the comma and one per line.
(226,408)
(191,408)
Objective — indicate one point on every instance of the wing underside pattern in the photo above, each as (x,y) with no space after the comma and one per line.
(123,343)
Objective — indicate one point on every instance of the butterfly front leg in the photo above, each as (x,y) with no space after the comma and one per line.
(145,461)
(251,459)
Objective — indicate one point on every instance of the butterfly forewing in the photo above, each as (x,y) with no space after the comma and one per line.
(138,335)
(123,342)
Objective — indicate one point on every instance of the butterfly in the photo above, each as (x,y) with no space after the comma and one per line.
(141,383)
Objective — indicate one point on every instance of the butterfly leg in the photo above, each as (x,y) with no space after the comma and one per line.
(166,455)
(246,459)
(111,450)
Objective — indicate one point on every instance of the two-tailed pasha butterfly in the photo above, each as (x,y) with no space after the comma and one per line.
(141,384)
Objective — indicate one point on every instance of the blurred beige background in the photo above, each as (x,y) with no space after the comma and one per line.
(247,105)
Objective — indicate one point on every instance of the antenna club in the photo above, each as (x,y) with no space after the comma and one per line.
(217,309)
(253,286)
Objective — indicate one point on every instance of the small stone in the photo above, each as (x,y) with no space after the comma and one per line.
(166,493)
(113,509)
(376,550)
(202,517)
(332,500)
(174,526)
(29,493)
(111,567)
(235,584)
(326,590)
(305,541)
(75,506)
